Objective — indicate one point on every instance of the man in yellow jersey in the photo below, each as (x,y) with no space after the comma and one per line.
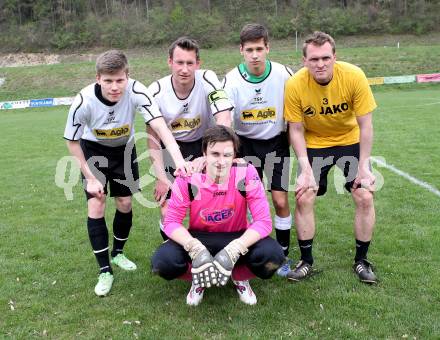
(329,105)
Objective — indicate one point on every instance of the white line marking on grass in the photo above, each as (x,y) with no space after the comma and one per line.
(410,178)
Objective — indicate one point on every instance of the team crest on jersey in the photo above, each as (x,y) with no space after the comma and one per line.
(114,133)
(257,115)
(185,124)
(210,216)
(111,117)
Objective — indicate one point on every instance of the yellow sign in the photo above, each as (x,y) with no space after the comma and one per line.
(185,124)
(268,113)
(118,132)
(376,81)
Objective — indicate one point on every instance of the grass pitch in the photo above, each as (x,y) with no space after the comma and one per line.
(47,269)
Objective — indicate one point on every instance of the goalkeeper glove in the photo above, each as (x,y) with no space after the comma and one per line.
(226,258)
(203,270)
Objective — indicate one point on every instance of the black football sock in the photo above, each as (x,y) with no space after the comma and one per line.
(98,236)
(361,250)
(305,246)
(121,229)
(282,232)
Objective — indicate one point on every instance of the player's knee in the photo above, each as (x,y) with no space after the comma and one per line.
(363,198)
(123,204)
(167,267)
(281,203)
(307,200)
(96,207)
(266,258)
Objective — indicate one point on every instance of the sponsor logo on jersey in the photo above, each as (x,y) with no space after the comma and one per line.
(185,108)
(258,91)
(114,133)
(333,109)
(219,193)
(185,124)
(210,216)
(256,115)
(309,111)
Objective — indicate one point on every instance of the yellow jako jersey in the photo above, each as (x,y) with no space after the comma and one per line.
(329,112)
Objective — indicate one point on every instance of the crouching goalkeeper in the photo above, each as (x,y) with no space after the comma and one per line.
(220,243)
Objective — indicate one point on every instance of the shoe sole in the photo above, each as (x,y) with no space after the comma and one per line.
(127,270)
(313,272)
(102,295)
(371,282)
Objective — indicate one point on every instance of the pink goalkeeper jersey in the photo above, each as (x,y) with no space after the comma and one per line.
(220,207)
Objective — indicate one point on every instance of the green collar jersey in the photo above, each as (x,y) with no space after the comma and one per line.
(253,78)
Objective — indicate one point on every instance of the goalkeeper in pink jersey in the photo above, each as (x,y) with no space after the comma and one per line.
(219,242)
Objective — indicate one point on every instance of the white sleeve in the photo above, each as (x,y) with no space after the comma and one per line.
(154,88)
(218,99)
(229,89)
(76,119)
(288,72)
(145,102)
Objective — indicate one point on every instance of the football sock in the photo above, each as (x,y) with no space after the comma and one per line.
(361,250)
(282,231)
(305,246)
(98,235)
(122,223)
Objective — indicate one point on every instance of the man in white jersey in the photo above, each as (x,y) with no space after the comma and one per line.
(256,89)
(190,100)
(99,133)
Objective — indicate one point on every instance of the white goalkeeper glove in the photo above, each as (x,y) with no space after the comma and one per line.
(203,270)
(226,258)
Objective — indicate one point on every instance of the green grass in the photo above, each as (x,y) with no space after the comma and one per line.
(47,269)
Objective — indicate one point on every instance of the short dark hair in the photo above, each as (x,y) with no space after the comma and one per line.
(185,43)
(111,62)
(219,133)
(318,38)
(253,32)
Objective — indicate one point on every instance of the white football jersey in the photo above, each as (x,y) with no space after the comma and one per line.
(189,117)
(258,106)
(92,119)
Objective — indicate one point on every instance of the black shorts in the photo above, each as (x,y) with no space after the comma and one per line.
(270,156)
(344,157)
(189,150)
(110,164)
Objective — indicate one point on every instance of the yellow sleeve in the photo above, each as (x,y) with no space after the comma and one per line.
(292,102)
(363,101)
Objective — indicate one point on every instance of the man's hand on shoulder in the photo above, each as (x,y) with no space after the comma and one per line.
(198,164)
(183,169)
